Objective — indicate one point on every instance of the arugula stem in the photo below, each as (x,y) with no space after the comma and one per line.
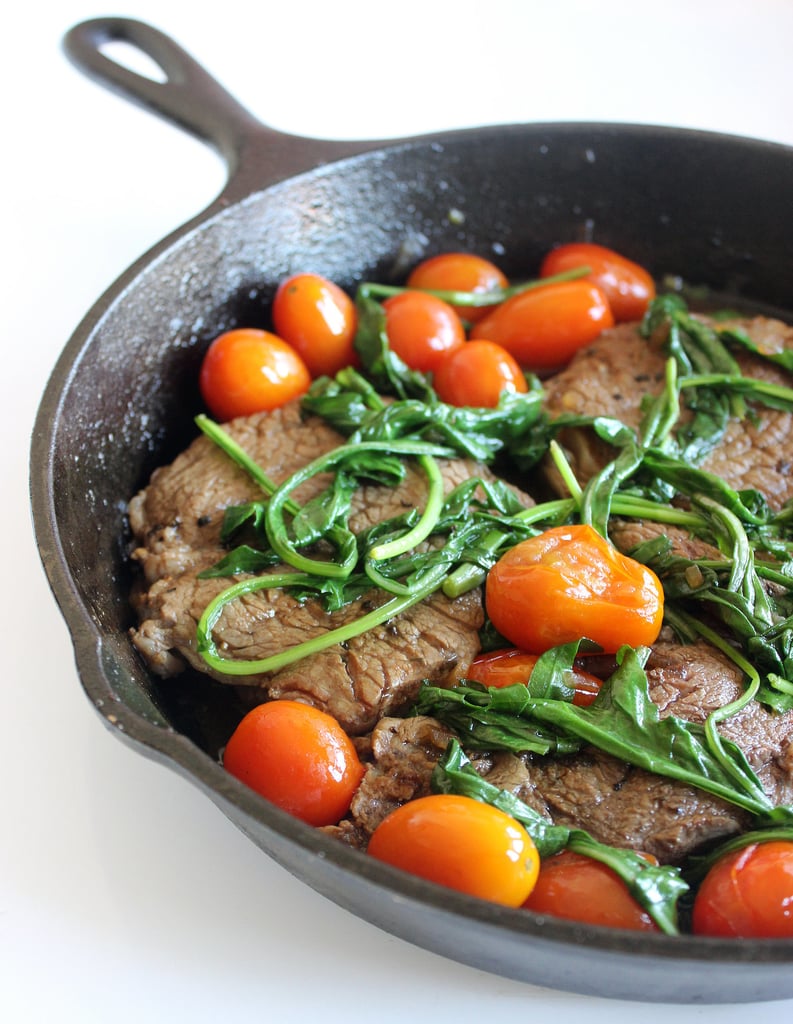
(373,289)
(237,454)
(426,523)
(565,471)
(776,395)
(240,667)
(275,526)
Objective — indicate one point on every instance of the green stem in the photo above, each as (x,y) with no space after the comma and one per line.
(234,667)
(427,522)
(372,289)
(237,454)
(275,526)
(565,471)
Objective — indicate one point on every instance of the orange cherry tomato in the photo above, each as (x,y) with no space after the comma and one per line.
(459,272)
(476,373)
(748,894)
(511,665)
(581,889)
(298,757)
(318,320)
(543,328)
(247,370)
(568,583)
(422,329)
(628,287)
(460,843)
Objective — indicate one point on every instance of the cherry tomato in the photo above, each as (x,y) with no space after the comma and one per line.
(298,757)
(460,843)
(459,272)
(318,320)
(247,370)
(581,889)
(511,665)
(422,329)
(748,894)
(476,373)
(543,328)
(568,583)
(627,286)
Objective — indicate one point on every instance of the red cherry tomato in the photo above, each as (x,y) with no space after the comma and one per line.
(247,370)
(509,666)
(568,583)
(298,757)
(581,889)
(460,843)
(476,373)
(422,329)
(748,894)
(318,320)
(543,328)
(459,272)
(628,287)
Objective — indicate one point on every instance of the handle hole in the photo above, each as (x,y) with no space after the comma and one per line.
(134,59)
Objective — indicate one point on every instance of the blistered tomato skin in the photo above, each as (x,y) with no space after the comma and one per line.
(319,320)
(628,287)
(459,272)
(544,328)
(581,889)
(422,329)
(748,894)
(247,370)
(568,583)
(508,666)
(298,757)
(476,373)
(462,844)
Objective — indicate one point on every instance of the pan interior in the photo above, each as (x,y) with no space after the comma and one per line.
(710,210)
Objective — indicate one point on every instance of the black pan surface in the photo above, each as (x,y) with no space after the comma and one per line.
(712,209)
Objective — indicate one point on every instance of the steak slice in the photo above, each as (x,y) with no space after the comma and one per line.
(176,523)
(611,376)
(617,803)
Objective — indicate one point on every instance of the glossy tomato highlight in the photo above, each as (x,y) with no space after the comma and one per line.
(476,373)
(508,666)
(460,843)
(298,757)
(459,272)
(544,327)
(582,889)
(422,329)
(628,287)
(748,894)
(318,320)
(568,583)
(247,370)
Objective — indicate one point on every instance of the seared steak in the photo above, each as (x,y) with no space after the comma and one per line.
(611,376)
(618,804)
(176,523)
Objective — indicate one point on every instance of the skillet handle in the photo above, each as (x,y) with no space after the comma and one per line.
(255,155)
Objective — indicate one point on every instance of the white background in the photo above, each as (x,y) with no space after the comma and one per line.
(124,894)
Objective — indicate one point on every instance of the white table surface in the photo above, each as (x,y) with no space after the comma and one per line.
(124,894)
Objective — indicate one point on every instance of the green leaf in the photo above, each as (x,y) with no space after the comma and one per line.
(622,721)
(656,888)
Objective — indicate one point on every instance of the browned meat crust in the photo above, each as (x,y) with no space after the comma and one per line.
(612,375)
(176,523)
(619,804)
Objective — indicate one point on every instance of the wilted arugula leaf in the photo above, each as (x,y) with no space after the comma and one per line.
(656,888)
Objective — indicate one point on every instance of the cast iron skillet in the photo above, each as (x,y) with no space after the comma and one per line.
(714,209)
